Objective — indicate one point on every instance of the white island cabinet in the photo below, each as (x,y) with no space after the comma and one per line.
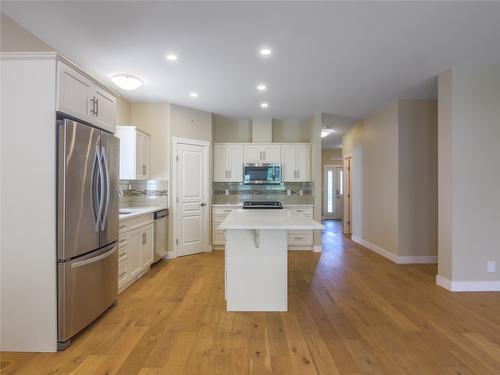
(256,257)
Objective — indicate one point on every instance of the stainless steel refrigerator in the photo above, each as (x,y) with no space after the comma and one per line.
(87,226)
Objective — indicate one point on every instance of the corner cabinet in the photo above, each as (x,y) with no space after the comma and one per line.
(228,162)
(134,153)
(296,162)
(80,97)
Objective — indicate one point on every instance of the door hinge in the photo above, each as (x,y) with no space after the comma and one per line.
(177,199)
(177,158)
(176,242)
(348,223)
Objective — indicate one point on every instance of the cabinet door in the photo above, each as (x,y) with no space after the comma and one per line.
(235,162)
(145,157)
(134,253)
(288,163)
(73,93)
(104,110)
(220,163)
(253,153)
(303,162)
(147,246)
(271,154)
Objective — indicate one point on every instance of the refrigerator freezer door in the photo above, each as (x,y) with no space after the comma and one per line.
(78,190)
(110,159)
(87,286)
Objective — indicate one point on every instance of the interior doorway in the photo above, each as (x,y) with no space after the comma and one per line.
(333,190)
(347,222)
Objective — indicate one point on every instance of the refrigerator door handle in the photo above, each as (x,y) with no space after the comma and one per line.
(94,198)
(102,188)
(104,162)
(94,259)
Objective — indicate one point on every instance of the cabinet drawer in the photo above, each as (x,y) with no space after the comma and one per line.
(135,222)
(300,237)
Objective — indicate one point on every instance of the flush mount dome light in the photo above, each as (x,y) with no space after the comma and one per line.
(326,132)
(127,81)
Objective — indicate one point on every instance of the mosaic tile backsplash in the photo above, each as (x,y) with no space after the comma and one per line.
(135,188)
(236,188)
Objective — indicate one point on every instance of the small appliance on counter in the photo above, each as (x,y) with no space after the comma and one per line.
(262,174)
(269,205)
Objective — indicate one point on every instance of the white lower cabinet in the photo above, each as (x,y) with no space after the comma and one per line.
(296,239)
(135,249)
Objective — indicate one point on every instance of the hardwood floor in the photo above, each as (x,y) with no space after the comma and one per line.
(350,312)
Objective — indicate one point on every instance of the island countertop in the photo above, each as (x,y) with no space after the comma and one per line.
(268,219)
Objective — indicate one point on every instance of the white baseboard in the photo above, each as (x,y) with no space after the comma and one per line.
(468,286)
(317,248)
(393,257)
(170,255)
(209,249)
(300,248)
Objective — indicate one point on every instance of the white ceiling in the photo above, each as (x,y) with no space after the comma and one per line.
(342,58)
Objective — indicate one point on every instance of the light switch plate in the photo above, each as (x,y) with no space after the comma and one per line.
(492,266)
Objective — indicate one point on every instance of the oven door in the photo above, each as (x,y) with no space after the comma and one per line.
(261,174)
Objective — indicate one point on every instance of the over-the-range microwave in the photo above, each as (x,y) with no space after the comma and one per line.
(262,173)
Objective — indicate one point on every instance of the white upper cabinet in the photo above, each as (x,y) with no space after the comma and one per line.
(82,98)
(296,162)
(134,153)
(228,162)
(262,153)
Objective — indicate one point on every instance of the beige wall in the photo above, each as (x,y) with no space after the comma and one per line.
(394,178)
(290,130)
(123,108)
(314,125)
(153,118)
(417,137)
(190,123)
(15,38)
(226,129)
(469,234)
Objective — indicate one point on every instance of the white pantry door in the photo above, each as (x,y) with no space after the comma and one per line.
(191,199)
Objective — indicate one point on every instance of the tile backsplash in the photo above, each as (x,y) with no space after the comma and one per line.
(236,188)
(143,193)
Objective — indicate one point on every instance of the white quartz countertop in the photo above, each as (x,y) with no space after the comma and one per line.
(268,219)
(138,211)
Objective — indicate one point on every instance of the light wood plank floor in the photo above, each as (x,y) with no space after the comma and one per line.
(350,312)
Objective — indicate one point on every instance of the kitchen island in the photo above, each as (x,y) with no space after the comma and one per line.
(256,257)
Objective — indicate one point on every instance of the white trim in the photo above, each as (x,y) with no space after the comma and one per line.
(170,255)
(468,286)
(175,142)
(426,259)
(23,56)
(300,248)
(317,248)
(347,155)
(209,249)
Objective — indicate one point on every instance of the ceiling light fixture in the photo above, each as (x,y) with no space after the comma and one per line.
(193,94)
(261,87)
(127,81)
(264,105)
(265,51)
(326,132)
(172,57)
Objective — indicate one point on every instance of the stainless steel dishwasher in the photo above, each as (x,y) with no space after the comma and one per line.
(161,227)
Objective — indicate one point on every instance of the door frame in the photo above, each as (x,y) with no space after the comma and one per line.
(206,222)
(347,165)
(325,196)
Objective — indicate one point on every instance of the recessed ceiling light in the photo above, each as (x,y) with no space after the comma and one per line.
(264,105)
(172,57)
(326,132)
(265,51)
(261,87)
(127,81)
(193,94)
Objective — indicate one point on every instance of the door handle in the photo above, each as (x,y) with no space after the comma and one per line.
(229,173)
(203,204)
(93,192)
(104,161)
(97,107)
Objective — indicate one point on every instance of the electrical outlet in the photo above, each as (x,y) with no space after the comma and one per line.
(492,266)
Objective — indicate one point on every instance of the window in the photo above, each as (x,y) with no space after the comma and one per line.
(341,188)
